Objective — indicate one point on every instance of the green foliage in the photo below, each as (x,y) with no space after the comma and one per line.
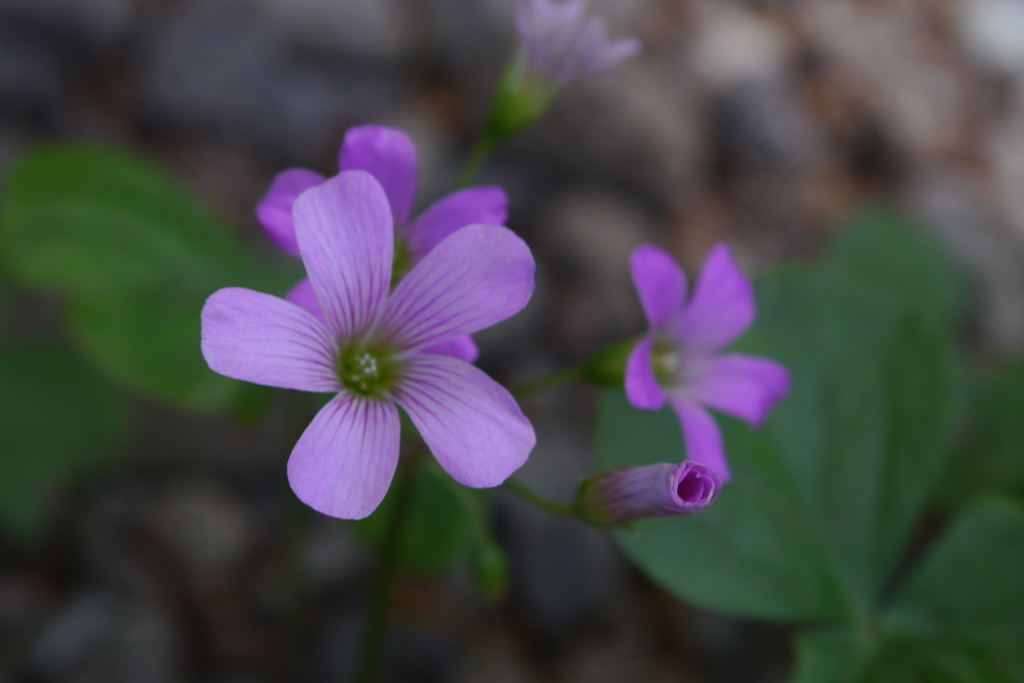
(133,256)
(58,420)
(438,529)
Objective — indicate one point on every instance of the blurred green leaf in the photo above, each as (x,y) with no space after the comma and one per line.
(824,497)
(438,530)
(883,247)
(58,420)
(133,255)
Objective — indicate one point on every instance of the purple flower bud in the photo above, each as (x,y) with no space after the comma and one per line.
(621,495)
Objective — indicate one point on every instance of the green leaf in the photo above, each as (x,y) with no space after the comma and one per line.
(438,530)
(824,497)
(133,255)
(883,247)
(58,420)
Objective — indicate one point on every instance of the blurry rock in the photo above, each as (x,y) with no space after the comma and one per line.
(733,46)
(1006,154)
(331,555)
(95,24)
(206,526)
(76,633)
(373,29)
(33,79)
(419,656)
(992,32)
(23,599)
(148,649)
(765,124)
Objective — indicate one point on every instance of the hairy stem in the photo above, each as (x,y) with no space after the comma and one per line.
(539,501)
(547,381)
(481,150)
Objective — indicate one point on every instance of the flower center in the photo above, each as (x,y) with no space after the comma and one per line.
(667,361)
(366,370)
(402,262)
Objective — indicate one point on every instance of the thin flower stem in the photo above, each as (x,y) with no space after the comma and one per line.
(481,150)
(375,628)
(547,381)
(539,501)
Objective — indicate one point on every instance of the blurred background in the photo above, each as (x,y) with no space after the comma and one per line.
(183,556)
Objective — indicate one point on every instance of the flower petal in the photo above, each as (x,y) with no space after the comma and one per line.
(389,156)
(346,239)
(463,348)
(487,205)
(274,211)
(744,386)
(259,338)
(642,388)
(303,296)
(475,277)
(722,306)
(343,463)
(471,423)
(660,283)
(702,436)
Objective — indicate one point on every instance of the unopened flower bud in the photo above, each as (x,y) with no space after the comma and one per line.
(620,495)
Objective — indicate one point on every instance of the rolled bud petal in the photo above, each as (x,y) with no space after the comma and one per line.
(620,495)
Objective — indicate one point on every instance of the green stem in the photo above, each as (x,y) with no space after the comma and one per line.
(547,381)
(481,150)
(375,627)
(539,501)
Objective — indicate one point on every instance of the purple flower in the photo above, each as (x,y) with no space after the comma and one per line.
(389,156)
(560,44)
(371,347)
(621,495)
(677,361)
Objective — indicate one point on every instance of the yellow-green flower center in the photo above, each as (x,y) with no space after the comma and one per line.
(666,361)
(367,370)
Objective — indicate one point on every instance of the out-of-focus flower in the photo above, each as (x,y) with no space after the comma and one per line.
(677,361)
(621,495)
(371,346)
(389,156)
(558,43)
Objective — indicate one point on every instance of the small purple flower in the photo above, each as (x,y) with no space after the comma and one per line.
(621,495)
(560,44)
(389,156)
(372,347)
(678,360)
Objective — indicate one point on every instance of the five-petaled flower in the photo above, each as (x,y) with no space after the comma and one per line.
(372,347)
(620,495)
(389,156)
(561,44)
(677,361)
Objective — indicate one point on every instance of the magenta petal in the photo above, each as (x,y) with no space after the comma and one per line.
(303,296)
(389,156)
(463,348)
(343,463)
(486,205)
(744,386)
(347,243)
(722,306)
(259,338)
(274,211)
(475,277)
(660,283)
(471,423)
(642,388)
(702,436)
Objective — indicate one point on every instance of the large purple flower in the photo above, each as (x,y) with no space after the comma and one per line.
(371,347)
(389,156)
(678,360)
(561,44)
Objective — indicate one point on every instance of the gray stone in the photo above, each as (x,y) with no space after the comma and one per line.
(372,29)
(991,32)
(80,629)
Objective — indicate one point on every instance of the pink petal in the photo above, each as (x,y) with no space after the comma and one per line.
(642,388)
(722,306)
(303,296)
(739,385)
(274,211)
(702,436)
(472,425)
(474,278)
(389,156)
(660,283)
(259,338)
(346,239)
(487,205)
(463,348)
(345,460)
